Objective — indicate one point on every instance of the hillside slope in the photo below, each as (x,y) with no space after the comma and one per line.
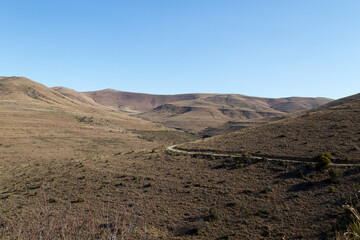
(334,129)
(38,123)
(78,96)
(214,111)
(195,112)
(135,102)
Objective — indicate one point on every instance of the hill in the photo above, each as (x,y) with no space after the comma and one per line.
(38,123)
(338,102)
(70,168)
(72,94)
(334,129)
(135,102)
(196,113)
(217,111)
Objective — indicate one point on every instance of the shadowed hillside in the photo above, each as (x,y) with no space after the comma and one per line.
(334,129)
(196,112)
(215,111)
(71,168)
(338,102)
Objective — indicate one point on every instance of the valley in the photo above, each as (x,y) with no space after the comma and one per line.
(97,165)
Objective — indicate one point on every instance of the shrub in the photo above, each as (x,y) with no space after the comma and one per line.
(329,155)
(322,162)
(354,228)
(239,166)
(335,175)
(246,157)
(79,200)
(53,200)
(213,213)
(149,185)
(200,226)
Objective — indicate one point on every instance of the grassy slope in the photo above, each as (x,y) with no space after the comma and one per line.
(135,102)
(52,157)
(335,130)
(38,123)
(171,194)
(214,111)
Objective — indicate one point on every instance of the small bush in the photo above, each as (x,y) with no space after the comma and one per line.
(332,189)
(200,226)
(79,200)
(329,155)
(52,200)
(335,175)
(323,161)
(149,185)
(246,157)
(239,166)
(213,213)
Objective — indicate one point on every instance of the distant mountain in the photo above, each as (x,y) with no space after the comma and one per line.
(213,111)
(39,123)
(334,128)
(198,112)
(135,102)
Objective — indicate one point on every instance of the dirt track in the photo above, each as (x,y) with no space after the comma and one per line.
(173,149)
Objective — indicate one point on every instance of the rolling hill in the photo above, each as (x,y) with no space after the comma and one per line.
(196,112)
(218,110)
(72,167)
(135,102)
(333,129)
(39,123)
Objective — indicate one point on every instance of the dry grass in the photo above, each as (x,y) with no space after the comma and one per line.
(73,171)
(37,124)
(335,130)
(66,221)
(260,199)
(215,111)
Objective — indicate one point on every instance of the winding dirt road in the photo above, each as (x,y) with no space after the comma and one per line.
(173,149)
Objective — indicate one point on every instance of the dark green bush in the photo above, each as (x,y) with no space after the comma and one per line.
(322,161)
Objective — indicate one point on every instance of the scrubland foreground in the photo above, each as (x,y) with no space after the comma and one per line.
(155,194)
(71,169)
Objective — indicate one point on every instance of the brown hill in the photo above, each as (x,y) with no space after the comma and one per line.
(216,110)
(68,168)
(335,130)
(38,123)
(195,112)
(338,102)
(135,102)
(78,96)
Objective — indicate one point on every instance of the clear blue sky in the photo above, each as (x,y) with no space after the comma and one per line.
(269,48)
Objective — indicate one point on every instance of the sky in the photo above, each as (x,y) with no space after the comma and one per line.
(277,48)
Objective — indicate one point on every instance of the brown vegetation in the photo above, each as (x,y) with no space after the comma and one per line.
(71,169)
(217,110)
(335,130)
